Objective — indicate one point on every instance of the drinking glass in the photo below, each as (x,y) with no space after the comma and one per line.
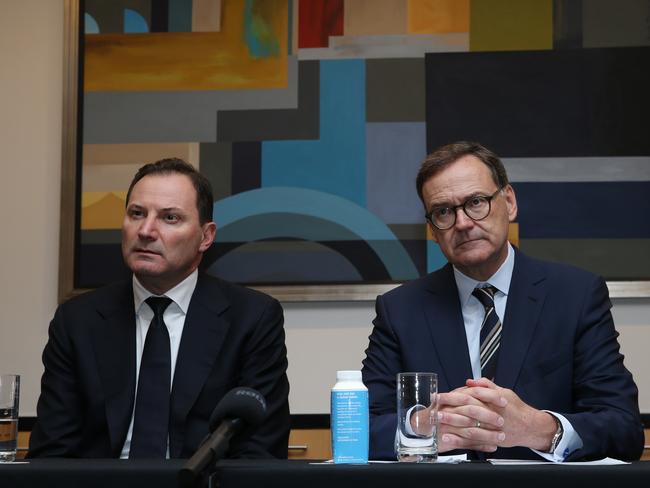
(9,396)
(417,402)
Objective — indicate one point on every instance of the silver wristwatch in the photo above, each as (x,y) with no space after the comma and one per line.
(558,435)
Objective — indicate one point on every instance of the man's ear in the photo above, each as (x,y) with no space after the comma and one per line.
(209,230)
(511,202)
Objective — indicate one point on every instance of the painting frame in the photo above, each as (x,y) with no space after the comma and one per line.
(71,198)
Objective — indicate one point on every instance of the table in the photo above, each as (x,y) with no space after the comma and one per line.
(301,474)
(105,473)
(95,473)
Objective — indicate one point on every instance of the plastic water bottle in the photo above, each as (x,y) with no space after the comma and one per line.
(349,417)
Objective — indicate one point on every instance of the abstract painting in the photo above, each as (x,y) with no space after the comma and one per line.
(311,117)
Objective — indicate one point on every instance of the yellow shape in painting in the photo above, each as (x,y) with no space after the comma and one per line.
(438,16)
(102,210)
(513,233)
(229,59)
(511,25)
(429,233)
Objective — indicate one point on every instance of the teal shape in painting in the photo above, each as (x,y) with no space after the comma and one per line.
(261,41)
(301,201)
(336,162)
(90,24)
(134,23)
(435,258)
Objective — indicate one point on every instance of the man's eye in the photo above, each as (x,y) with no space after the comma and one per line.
(442,211)
(475,201)
(136,213)
(171,218)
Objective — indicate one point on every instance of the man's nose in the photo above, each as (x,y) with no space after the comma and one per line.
(148,229)
(462,220)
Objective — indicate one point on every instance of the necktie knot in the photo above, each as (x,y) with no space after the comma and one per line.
(158,305)
(485,295)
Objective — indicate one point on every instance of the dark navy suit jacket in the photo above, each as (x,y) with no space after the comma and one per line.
(232,337)
(559,351)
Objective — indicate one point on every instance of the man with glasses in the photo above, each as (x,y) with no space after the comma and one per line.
(526,351)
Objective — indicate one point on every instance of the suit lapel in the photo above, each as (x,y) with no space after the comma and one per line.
(204,333)
(445,322)
(114,343)
(525,299)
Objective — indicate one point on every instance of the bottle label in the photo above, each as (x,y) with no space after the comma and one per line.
(349,417)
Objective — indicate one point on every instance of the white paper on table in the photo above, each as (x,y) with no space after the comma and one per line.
(459,458)
(522,462)
(598,462)
(441,460)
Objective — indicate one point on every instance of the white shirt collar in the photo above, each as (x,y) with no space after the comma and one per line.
(181,294)
(500,280)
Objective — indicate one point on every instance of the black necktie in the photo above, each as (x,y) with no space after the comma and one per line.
(490,331)
(151,422)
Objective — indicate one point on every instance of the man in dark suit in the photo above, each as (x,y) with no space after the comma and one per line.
(526,351)
(135,369)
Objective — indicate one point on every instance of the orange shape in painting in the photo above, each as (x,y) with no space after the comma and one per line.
(374,17)
(513,234)
(194,60)
(438,16)
(105,212)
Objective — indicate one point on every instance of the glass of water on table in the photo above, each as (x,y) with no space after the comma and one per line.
(9,396)
(416,439)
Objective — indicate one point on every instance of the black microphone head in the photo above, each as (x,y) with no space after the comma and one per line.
(241,403)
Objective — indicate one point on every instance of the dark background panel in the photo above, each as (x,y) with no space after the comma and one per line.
(368,264)
(278,124)
(584,210)
(274,261)
(100,264)
(567,24)
(616,259)
(574,102)
(246,169)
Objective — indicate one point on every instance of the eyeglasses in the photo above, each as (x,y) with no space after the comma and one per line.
(476,207)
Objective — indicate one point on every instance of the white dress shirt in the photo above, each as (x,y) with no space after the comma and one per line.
(174,317)
(473,314)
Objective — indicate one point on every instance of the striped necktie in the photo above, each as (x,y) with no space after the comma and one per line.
(490,332)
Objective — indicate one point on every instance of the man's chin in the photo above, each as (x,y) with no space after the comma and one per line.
(145,268)
(469,256)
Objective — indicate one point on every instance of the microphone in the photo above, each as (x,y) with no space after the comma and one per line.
(237,415)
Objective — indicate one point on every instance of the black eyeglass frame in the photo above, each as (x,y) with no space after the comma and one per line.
(455,208)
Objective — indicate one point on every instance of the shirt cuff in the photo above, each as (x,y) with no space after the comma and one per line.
(570,441)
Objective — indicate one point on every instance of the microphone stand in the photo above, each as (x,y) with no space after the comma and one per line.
(203,461)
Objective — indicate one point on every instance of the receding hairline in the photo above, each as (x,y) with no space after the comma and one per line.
(446,155)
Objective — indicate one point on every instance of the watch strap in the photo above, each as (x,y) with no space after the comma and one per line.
(557,437)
